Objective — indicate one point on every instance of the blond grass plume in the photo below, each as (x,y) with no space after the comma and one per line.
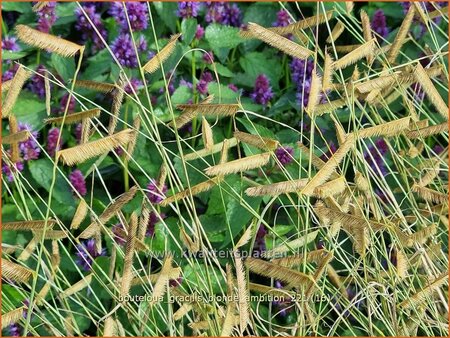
(191,244)
(28,250)
(210,109)
(16,272)
(316,161)
(110,328)
(13,316)
(160,286)
(239,165)
(279,188)
(243,296)
(346,48)
(101,87)
(364,50)
(75,117)
(257,141)
(17,83)
(429,176)
(189,113)
(155,62)
(192,191)
(86,151)
(19,136)
(245,238)
(387,129)
(218,147)
(127,274)
(40,5)
(329,107)
(401,36)
(278,41)
(427,131)
(314,93)
(331,188)
(6,85)
(298,259)
(423,294)
(50,234)
(296,26)
(338,29)
(329,168)
(292,245)
(77,287)
(380,82)
(367,30)
(29,225)
(224,151)
(402,264)
(291,277)
(438,12)
(47,94)
(48,42)
(429,194)
(143,221)
(117,99)
(207,134)
(431,91)
(327,82)
(419,237)
(132,143)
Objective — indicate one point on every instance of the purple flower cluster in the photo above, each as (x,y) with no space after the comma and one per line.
(301,72)
(260,242)
(428,6)
(284,155)
(77,180)
(133,86)
(202,85)
(136,11)
(46,17)
(10,170)
(283,306)
(224,13)
(37,84)
(152,221)
(188,9)
(10,43)
(63,103)
(155,194)
(262,92)
(283,19)
(199,33)
(9,74)
(52,139)
(84,26)
(379,24)
(86,253)
(208,57)
(29,149)
(123,49)
(374,156)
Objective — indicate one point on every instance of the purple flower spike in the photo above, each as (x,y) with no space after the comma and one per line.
(202,85)
(200,32)
(87,31)
(118,234)
(29,149)
(260,242)
(86,253)
(9,74)
(46,17)
(301,71)
(155,194)
(63,103)
(152,221)
(284,155)
(208,57)
(136,11)
(77,180)
(379,23)
(9,170)
(223,13)
(262,93)
(283,19)
(37,84)
(135,85)
(188,9)
(10,43)
(123,49)
(52,139)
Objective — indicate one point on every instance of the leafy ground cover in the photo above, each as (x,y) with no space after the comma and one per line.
(187,168)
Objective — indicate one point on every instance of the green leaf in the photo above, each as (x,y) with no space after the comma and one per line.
(256,129)
(166,11)
(221,70)
(188,29)
(42,170)
(181,95)
(255,64)
(9,55)
(21,7)
(29,109)
(64,66)
(221,39)
(226,95)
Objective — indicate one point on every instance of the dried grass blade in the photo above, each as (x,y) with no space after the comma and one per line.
(379,83)
(13,316)
(329,107)
(79,215)
(77,287)
(257,141)
(117,99)
(245,238)
(243,296)
(278,41)
(239,165)
(387,129)
(161,284)
(302,24)
(101,87)
(46,41)
(338,29)
(154,63)
(132,143)
(314,93)
(83,152)
(189,114)
(210,109)
(427,131)
(327,73)
(207,134)
(429,194)
(275,189)
(331,188)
